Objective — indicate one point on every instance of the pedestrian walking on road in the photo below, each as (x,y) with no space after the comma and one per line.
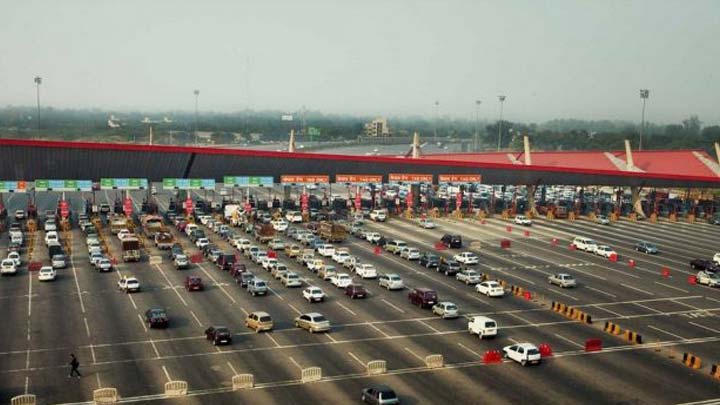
(74,364)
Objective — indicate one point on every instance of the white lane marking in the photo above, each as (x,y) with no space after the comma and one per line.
(92,353)
(332,339)
(672,287)
(636,289)
(29,297)
(688,297)
(167,375)
(132,300)
(170,284)
(269,335)
(512,340)
(216,283)
(648,308)
(610,311)
(521,318)
(686,305)
(665,332)
(429,326)
(601,291)
(554,291)
(142,322)
(278,295)
(568,340)
(712,299)
(27,384)
(245,311)
(232,368)
(414,354)
(295,309)
(393,306)
(346,308)
(574,268)
(87,327)
(356,358)
(295,362)
(704,327)
(77,285)
(99,383)
(196,318)
(468,349)
(372,325)
(157,353)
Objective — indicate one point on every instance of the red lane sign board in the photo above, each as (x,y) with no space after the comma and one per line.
(304,201)
(409,178)
(305,178)
(247,207)
(64,209)
(358,178)
(458,200)
(358,201)
(409,200)
(188,206)
(459,178)
(128,207)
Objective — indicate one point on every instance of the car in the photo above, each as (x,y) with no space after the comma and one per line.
(647,247)
(708,278)
(391,282)
(276,244)
(51,225)
(429,260)
(312,322)
(251,251)
(427,223)
(605,251)
(202,242)
(379,394)
(157,318)
(315,265)
(372,237)
(181,262)
(452,241)
(124,233)
(259,321)
(104,208)
(340,256)
(314,294)
(294,217)
(703,264)
(8,266)
(378,215)
(563,280)
(226,261)
(327,272)
(716,258)
(175,250)
(19,215)
(257,286)
(469,277)
(243,244)
(523,220)
(243,278)
(268,263)
(490,288)
(423,297)
(326,250)
(482,326)
(585,244)
(602,220)
(351,262)
(194,283)
(129,284)
(467,258)
(103,265)
(218,335)
(258,257)
(293,250)
(290,279)
(395,246)
(46,273)
(279,270)
(523,353)
(341,280)
(410,253)
(279,225)
(214,254)
(15,257)
(51,237)
(445,310)
(366,270)
(448,267)
(58,261)
(356,291)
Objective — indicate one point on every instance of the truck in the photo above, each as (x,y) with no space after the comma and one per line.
(232,213)
(130,249)
(332,232)
(264,233)
(118,223)
(164,239)
(151,224)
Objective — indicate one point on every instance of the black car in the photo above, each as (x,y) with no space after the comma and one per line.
(225,261)
(379,394)
(208,248)
(702,264)
(218,335)
(381,242)
(243,278)
(175,250)
(197,234)
(157,318)
(449,267)
(452,241)
(429,260)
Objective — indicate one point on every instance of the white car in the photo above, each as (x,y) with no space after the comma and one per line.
(19,215)
(372,237)
(189,228)
(267,263)
(351,262)
(259,257)
(391,282)
(204,219)
(314,294)
(410,253)
(482,326)
(366,270)
(716,258)
(15,257)
(523,353)
(50,237)
(51,225)
(291,279)
(490,288)
(708,278)
(427,223)
(123,233)
(280,225)
(243,244)
(605,251)
(467,258)
(129,284)
(315,265)
(95,257)
(294,216)
(202,242)
(585,244)
(341,280)
(378,215)
(58,262)
(446,310)
(326,250)
(563,280)
(276,244)
(46,273)
(103,265)
(602,220)
(468,277)
(7,266)
(340,256)
(523,220)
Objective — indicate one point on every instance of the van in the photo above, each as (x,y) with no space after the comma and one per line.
(482,326)
(259,321)
(423,297)
(395,246)
(452,241)
(257,286)
(585,244)
(378,215)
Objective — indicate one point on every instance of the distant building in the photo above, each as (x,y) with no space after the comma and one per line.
(377,128)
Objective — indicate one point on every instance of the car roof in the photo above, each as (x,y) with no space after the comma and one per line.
(313,314)
(260,313)
(380,387)
(527,345)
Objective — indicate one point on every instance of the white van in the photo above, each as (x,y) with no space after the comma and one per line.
(378,215)
(482,326)
(585,244)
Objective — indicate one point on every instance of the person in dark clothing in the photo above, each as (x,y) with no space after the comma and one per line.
(74,364)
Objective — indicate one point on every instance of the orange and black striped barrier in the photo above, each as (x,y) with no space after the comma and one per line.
(612,328)
(583,317)
(715,370)
(516,290)
(633,337)
(692,361)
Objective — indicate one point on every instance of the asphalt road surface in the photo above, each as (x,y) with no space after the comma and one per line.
(83,312)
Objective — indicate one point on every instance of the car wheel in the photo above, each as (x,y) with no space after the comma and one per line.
(523,363)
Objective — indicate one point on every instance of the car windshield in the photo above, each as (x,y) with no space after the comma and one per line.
(450,307)
(319,318)
(533,351)
(490,324)
(394,278)
(387,394)
(265,318)
(222,330)
(260,284)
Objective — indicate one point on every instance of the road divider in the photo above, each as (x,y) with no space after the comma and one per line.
(26,399)
(593,345)
(311,374)
(176,388)
(632,337)
(492,357)
(545,350)
(434,361)
(105,396)
(692,360)
(243,381)
(571,312)
(612,328)
(376,367)
(715,370)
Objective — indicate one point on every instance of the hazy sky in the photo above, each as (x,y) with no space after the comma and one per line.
(553,59)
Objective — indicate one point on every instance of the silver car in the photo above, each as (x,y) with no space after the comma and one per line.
(313,322)
(562,280)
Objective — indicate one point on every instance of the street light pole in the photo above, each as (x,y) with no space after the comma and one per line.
(477,124)
(38,81)
(197,93)
(502,100)
(437,106)
(644,94)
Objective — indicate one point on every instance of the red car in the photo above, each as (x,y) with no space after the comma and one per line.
(356,291)
(238,268)
(193,283)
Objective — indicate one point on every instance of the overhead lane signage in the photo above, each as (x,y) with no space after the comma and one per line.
(410,178)
(13,186)
(123,184)
(305,179)
(188,184)
(248,181)
(459,178)
(358,178)
(63,185)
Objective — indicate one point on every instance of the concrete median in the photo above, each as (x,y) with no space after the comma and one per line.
(243,381)
(632,337)
(176,388)
(376,367)
(612,328)
(434,361)
(26,399)
(105,396)
(715,370)
(311,374)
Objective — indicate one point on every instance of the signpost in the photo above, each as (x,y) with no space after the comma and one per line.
(410,178)
(13,186)
(459,178)
(123,184)
(358,178)
(304,179)
(63,185)
(188,184)
(248,181)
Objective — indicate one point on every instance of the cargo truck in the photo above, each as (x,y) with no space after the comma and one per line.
(130,249)
(151,224)
(164,239)
(264,233)
(332,232)
(118,223)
